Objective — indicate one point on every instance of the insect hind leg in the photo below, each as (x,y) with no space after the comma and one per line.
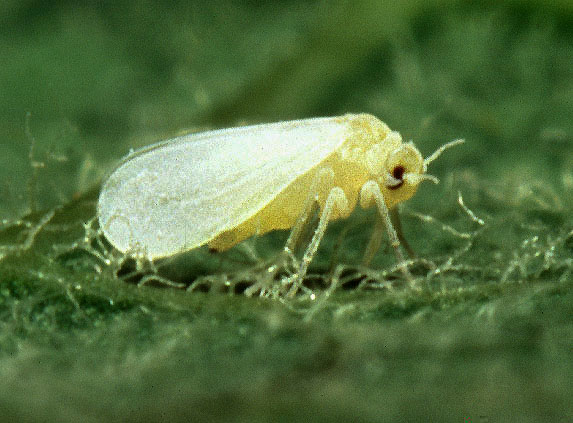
(325,177)
(286,266)
(336,200)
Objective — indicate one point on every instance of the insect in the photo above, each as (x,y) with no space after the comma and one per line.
(223,186)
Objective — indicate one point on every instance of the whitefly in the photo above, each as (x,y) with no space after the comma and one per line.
(220,187)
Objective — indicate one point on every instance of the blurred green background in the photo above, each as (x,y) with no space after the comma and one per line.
(488,337)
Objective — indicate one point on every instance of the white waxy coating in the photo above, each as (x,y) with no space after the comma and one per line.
(180,194)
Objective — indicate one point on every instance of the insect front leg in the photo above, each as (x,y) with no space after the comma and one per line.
(336,200)
(371,190)
(395,218)
(374,242)
(376,238)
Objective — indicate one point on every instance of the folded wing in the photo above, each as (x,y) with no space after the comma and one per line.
(181,193)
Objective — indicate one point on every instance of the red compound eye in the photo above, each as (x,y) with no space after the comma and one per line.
(398,173)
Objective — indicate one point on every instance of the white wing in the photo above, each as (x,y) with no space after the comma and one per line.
(181,193)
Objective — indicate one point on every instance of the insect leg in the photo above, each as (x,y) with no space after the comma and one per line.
(369,190)
(336,199)
(376,237)
(324,176)
(395,217)
(374,242)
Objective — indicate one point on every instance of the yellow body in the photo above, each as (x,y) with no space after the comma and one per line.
(371,152)
(223,186)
